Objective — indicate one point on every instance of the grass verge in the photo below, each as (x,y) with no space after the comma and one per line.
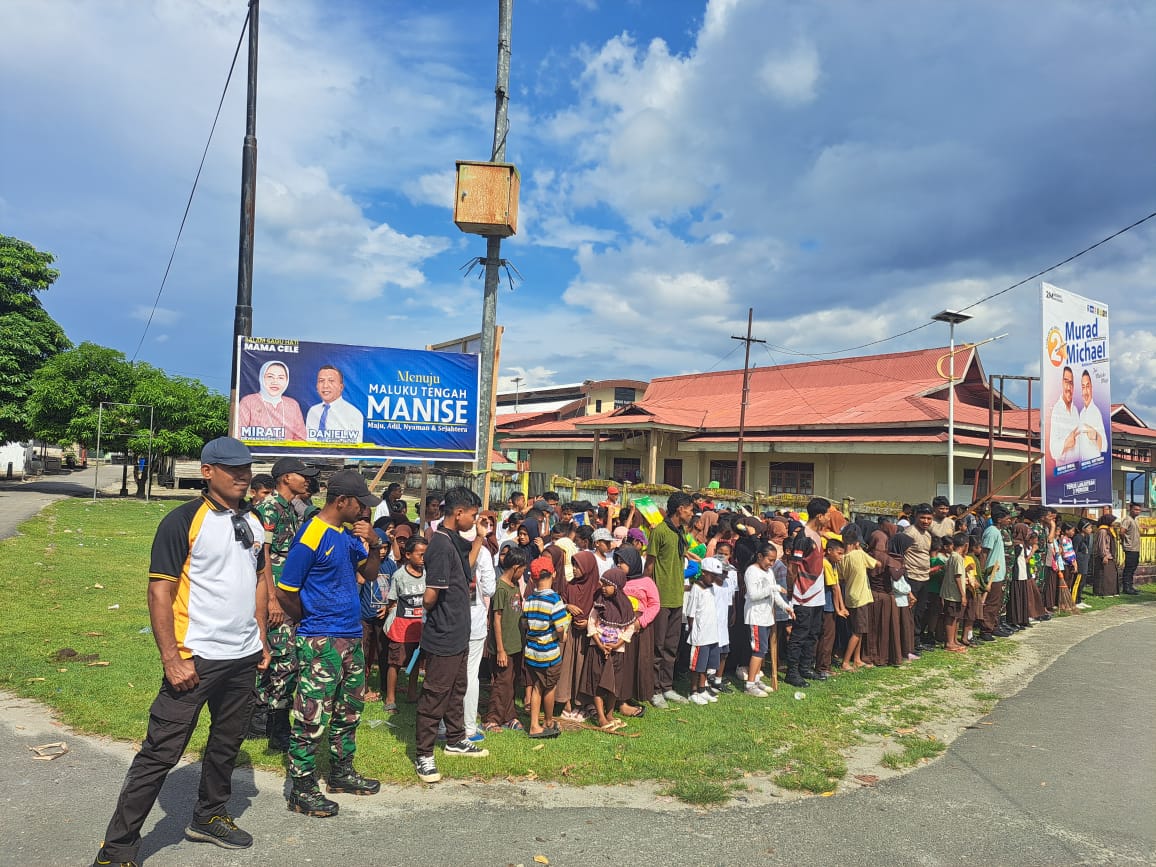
(75,637)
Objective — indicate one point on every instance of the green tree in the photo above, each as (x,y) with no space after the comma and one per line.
(30,335)
(67,392)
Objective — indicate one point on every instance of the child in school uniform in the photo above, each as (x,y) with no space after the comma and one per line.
(724,588)
(403,623)
(834,606)
(610,626)
(976,593)
(766,598)
(702,626)
(934,619)
(953,589)
(858,599)
(505,644)
(546,623)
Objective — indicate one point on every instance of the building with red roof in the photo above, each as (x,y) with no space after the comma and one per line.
(866,428)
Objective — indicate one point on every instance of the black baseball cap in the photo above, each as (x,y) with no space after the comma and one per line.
(350,483)
(284,466)
(226,452)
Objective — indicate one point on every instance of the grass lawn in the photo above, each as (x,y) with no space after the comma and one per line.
(75,581)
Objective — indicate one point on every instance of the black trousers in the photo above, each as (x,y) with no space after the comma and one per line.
(667,629)
(1131,561)
(804,636)
(226,686)
(443,695)
(922,600)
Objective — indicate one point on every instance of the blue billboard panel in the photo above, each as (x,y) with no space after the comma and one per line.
(334,400)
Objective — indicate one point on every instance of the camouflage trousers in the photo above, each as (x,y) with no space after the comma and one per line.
(330,694)
(276,685)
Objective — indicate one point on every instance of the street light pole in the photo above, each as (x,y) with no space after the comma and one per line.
(952,318)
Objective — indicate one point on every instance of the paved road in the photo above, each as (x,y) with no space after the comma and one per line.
(1065,774)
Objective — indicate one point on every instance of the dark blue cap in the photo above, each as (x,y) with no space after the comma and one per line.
(227,452)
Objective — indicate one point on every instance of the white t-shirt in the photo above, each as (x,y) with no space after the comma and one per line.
(724,595)
(1091,417)
(700,605)
(1064,420)
(486,575)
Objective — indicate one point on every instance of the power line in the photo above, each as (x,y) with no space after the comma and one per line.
(984,299)
(192,192)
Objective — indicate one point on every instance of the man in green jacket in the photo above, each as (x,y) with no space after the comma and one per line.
(667,558)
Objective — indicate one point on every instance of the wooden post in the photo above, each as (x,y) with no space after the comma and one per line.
(380,472)
(594,469)
(652,458)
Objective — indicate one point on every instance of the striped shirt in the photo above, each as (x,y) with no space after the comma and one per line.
(545,613)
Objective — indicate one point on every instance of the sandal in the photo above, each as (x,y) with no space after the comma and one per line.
(391,707)
(514,726)
(573,716)
(637,712)
(491,728)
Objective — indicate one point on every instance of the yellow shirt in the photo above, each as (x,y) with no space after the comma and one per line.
(830,576)
(857,590)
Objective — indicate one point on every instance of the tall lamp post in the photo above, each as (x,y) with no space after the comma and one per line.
(952,318)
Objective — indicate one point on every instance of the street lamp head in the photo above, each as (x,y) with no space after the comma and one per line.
(952,317)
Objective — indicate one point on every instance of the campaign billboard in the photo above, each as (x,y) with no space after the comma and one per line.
(334,400)
(1076,412)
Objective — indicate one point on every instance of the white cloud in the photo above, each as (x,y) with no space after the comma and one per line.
(436,189)
(159,316)
(791,78)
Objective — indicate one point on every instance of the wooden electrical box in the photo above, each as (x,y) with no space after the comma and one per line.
(486,198)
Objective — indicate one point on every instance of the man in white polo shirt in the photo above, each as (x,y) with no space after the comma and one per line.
(207,605)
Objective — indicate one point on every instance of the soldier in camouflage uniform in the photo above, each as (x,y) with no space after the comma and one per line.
(319,588)
(275,686)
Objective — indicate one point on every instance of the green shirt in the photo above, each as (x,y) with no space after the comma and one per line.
(668,565)
(508,601)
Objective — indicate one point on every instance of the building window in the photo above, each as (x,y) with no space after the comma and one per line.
(792,479)
(628,470)
(723,472)
(584,468)
(597,406)
(969,481)
(672,472)
(624,397)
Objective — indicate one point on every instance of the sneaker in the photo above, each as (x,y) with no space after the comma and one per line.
(671,695)
(101,861)
(466,748)
(755,690)
(221,830)
(427,771)
(722,686)
(710,696)
(712,689)
(1083,606)
(741,672)
(658,701)
(699,698)
(476,738)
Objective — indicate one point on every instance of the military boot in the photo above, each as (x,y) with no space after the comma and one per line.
(306,798)
(279,730)
(258,723)
(343,779)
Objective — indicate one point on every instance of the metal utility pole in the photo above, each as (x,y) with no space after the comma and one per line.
(748,340)
(517,391)
(494,249)
(243,317)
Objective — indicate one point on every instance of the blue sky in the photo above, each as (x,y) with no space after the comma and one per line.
(847,169)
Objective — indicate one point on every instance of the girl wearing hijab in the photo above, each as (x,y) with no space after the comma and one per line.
(884,642)
(270,409)
(578,594)
(610,626)
(636,681)
(897,546)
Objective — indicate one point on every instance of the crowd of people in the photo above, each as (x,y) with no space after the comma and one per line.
(275,611)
